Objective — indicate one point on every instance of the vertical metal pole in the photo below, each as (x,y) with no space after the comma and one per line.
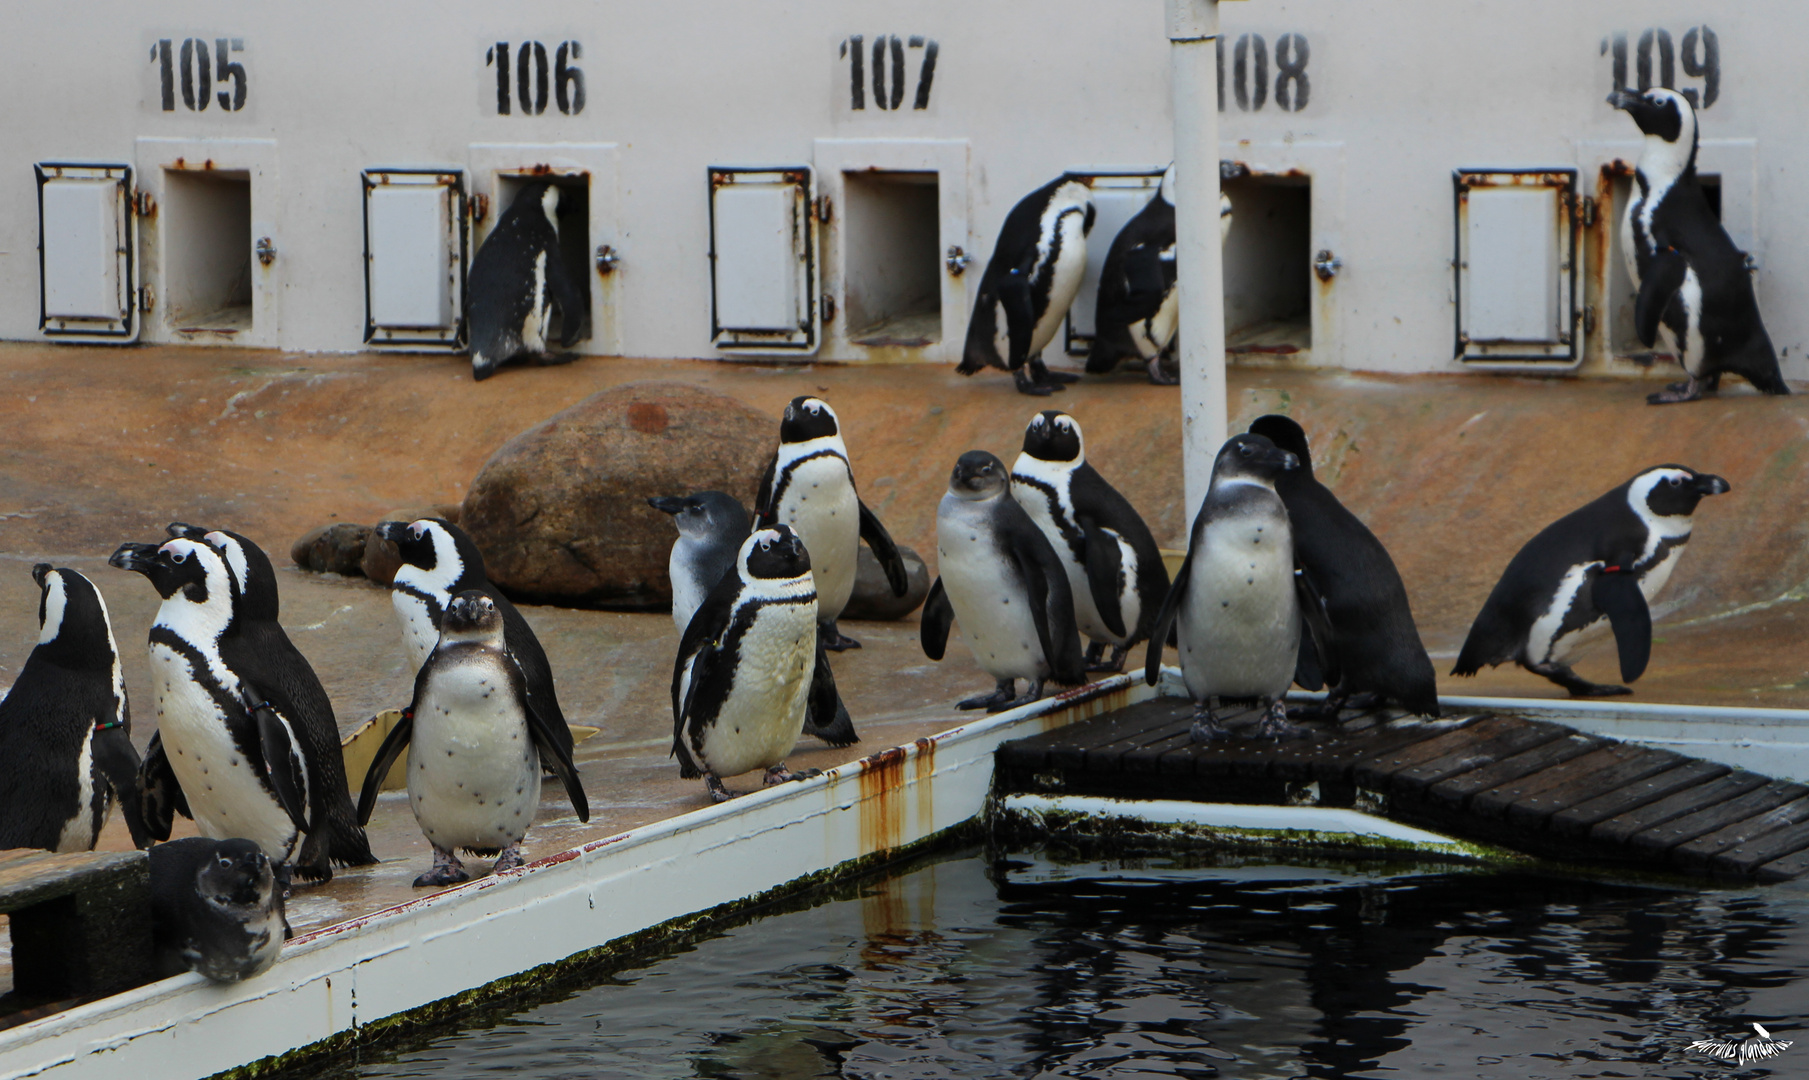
(1193,30)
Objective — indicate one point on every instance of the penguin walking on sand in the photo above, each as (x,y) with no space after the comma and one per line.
(1029,283)
(475,735)
(66,756)
(809,486)
(439,561)
(1378,647)
(711,527)
(1594,569)
(1238,602)
(1001,579)
(751,671)
(236,758)
(1694,289)
(517,278)
(1114,568)
(256,646)
(216,909)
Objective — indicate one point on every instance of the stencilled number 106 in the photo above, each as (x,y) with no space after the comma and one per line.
(194,67)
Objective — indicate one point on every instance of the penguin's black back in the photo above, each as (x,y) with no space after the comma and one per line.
(1123,302)
(1014,249)
(1107,506)
(1733,332)
(499,301)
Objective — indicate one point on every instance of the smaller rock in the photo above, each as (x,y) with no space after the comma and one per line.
(873,597)
(299,551)
(381,560)
(339,549)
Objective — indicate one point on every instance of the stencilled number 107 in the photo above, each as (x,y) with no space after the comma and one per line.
(888,65)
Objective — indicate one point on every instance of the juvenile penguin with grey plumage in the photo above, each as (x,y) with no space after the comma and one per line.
(1695,291)
(1594,569)
(475,737)
(711,527)
(216,909)
(1238,602)
(1029,283)
(66,755)
(1001,579)
(1113,565)
(517,279)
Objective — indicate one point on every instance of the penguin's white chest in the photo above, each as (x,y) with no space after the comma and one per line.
(419,636)
(227,798)
(533,328)
(761,718)
(821,506)
(1037,503)
(688,588)
(988,595)
(1065,268)
(1239,626)
(81,830)
(473,770)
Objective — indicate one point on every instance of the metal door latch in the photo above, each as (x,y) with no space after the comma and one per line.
(957,260)
(266,251)
(1327,265)
(606,259)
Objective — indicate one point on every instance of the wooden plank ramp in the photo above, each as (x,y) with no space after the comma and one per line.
(1492,777)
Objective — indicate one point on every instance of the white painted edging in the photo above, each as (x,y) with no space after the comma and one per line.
(466,937)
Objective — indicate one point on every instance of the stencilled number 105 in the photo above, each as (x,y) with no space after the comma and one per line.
(193,68)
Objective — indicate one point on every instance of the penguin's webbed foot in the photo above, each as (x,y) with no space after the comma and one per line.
(1029,385)
(779,774)
(1159,374)
(1275,724)
(996,701)
(1576,684)
(1677,393)
(833,638)
(447,870)
(1206,727)
(1033,693)
(718,793)
(510,858)
(554,359)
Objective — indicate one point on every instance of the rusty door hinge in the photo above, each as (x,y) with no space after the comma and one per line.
(825,210)
(828,309)
(1589,319)
(146,298)
(1589,213)
(143,204)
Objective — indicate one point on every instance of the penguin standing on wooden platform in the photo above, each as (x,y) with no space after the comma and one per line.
(751,670)
(516,280)
(711,527)
(1591,570)
(1001,579)
(475,735)
(1029,283)
(66,755)
(1694,288)
(216,909)
(1114,568)
(1238,602)
(1378,647)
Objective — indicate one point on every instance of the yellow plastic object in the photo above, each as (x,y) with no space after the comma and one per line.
(1170,558)
(361,746)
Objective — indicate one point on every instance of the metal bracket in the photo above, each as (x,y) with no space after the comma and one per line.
(607,259)
(266,251)
(479,207)
(828,309)
(957,260)
(1589,211)
(1327,265)
(143,204)
(146,298)
(825,209)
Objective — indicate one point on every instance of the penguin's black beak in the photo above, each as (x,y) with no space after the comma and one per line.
(666,504)
(1712,485)
(182,531)
(1624,99)
(40,572)
(138,558)
(391,531)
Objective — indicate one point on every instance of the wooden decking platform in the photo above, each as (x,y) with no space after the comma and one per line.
(1523,784)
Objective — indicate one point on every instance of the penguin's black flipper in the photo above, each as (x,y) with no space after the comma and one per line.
(1146,284)
(877,538)
(159,791)
(938,615)
(1105,566)
(1165,620)
(1656,291)
(764,510)
(118,762)
(1020,316)
(826,716)
(1306,663)
(1045,576)
(1618,596)
(393,745)
(555,755)
(1318,625)
(283,762)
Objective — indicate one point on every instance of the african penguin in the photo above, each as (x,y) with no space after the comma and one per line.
(809,486)
(1114,568)
(1237,602)
(475,735)
(259,650)
(216,909)
(1593,569)
(516,279)
(236,758)
(751,669)
(439,561)
(1002,581)
(1694,289)
(66,755)
(711,527)
(1378,647)
(1029,283)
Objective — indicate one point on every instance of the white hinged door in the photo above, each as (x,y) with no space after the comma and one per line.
(763,267)
(414,258)
(1117,198)
(1517,267)
(87,253)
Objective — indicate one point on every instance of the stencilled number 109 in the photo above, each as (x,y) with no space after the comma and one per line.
(194,67)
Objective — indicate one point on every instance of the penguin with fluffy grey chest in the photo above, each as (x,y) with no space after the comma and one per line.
(1238,602)
(711,527)
(1114,568)
(66,756)
(1029,283)
(1594,569)
(474,735)
(516,280)
(751,672)
(216,909)
(1002,581)
(1694,288)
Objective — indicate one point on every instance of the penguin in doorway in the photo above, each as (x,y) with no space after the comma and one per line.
(1593,569)
(216,909)
(751,672)
(1238,602)
(517,278)
(1003,582)
(1379,651)
(711,527)
(1114,568)
(1694,289)
(66,755)
(475,736)
(1029,283)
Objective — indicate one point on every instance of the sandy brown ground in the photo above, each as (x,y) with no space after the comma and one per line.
(1453,473)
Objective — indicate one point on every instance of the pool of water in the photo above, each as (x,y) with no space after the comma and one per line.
(1013,966)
